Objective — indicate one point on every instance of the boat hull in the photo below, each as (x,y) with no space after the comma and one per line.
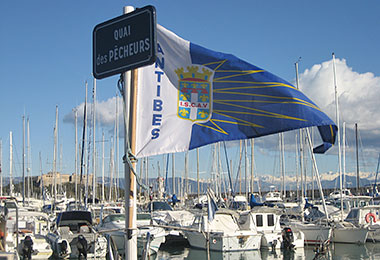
(313,234)
(350,235)
(219,241)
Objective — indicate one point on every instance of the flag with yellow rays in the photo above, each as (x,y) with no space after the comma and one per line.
(193,96)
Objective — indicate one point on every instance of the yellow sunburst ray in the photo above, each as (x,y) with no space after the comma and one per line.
(230,122)
(221,101)
(217,129)
(251,87)
(242,73)
(215,62)
(238,119)
(255,82)
(264,113)
(268,96)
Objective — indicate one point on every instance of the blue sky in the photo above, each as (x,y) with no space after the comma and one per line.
(46,56)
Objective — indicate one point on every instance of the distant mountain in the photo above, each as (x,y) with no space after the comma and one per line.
(329,181)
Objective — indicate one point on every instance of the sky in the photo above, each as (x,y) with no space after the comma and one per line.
(46,58)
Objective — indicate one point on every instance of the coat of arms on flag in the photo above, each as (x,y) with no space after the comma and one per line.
(194,94)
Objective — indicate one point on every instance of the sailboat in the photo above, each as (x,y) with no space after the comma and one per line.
(344,232)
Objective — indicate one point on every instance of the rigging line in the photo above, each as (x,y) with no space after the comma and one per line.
(130,157)
(228,169)
(239,166)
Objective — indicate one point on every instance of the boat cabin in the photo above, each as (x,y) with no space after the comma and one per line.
(263,219)
(364,215)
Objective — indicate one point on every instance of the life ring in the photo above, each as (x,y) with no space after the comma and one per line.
(369,216)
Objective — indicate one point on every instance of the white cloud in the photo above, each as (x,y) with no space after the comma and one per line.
(105,112)
(359,94)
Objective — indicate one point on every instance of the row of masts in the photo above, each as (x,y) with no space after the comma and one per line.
(114,166)
(217,180)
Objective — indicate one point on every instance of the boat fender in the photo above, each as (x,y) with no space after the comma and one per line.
(27,249)
(369,216)
(82,246)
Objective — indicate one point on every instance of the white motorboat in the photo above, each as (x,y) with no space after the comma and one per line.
(223,233)
(266,221)
(114,225)
(367,216)
(74,236)
(314,233)
(26,230)
(346,232)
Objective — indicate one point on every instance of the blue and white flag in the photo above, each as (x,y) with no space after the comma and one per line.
(193,96)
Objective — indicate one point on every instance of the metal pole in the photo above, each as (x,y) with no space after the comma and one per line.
(252,164)
(23,160)
(357,161)
(1,173)
(94,145)
(10,164)
(344,154)
(317,173)
(55,157)
(76,158)
(173,173)
(129,92)
(103,199)
(338,137)
(198,172)
(83,147)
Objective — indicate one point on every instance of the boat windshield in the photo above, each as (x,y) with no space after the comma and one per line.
(159,205)
(118,217)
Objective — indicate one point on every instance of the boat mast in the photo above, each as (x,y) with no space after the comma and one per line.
(76,157)
(198,173)
(28,161)
(283,164)
(83,147)
(117,150)
(94,145)
(186,174)
(173,173)
(246,169)
(23,160)
(301,142)
(1,164)
(357,161)
(317,173)
(344,154)
(42,180)
(103,167)
(10,164)
(111,171)
(338,137)
(252,163)
(240,156)
(55,155)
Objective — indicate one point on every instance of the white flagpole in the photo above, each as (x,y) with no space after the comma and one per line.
(129,92)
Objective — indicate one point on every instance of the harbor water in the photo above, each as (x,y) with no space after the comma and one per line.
(335,251)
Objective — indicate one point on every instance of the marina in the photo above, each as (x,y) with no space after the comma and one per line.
(140,130)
